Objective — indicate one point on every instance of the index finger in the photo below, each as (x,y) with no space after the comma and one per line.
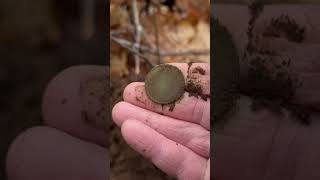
(191,107)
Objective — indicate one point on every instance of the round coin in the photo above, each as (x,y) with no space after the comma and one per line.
(165,84)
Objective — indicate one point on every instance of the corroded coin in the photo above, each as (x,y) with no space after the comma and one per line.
(165,84)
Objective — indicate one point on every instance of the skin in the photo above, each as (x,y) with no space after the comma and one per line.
(265,145)
(177,142)
(259,145)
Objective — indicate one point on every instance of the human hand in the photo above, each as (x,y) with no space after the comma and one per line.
(263,144)
(177,141)
(73,144)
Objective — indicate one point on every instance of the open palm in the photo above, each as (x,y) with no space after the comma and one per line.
(178,141)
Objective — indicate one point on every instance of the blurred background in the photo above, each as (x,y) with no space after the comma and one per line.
(171,31)
(38,39)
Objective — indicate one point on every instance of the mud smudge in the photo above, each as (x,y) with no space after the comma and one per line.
(199,70)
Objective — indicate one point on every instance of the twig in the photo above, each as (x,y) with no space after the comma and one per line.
(156,34)
(128,45)
(118,32)
(186,53)
(143,49)
(138,30)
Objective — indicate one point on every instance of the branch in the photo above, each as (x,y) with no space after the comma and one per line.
(138,30)
(128,45)
(156,34)
(143,49)
(186,53)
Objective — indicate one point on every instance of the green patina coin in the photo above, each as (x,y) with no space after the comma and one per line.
(165,84)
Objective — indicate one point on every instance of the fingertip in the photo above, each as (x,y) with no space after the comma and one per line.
(182,66)
(120,112)
(130,91)
(44,153)
(130,133)
(74,101)
(185,67)
(116,110)
(131,125)
(127,126)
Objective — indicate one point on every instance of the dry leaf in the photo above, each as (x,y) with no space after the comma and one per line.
(118,63)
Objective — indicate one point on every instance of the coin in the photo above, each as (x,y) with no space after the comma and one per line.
(165,84)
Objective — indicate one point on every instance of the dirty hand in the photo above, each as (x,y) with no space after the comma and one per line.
(263,144)
(73,144)
(177,141)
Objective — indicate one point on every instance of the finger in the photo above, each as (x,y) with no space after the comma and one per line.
(237,22)
(279,138)
(306,18)
(191,135)
(242,131)
(207,172)
(188,108)
(199,73)
(307,156)
(76,101)
(168,155)
(303,54)
(46,153)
